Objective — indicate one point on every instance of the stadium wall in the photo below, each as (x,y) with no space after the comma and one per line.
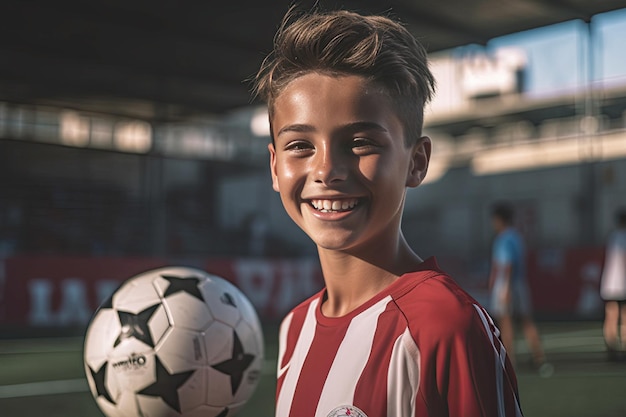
(42,292)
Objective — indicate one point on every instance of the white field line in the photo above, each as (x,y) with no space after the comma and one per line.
(32,389)
(69,386)
(47,345)
(588,340)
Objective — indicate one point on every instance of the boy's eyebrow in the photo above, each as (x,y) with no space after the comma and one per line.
(363,126)
(350,127)
(301,128)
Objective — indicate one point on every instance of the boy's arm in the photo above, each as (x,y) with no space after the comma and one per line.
(501,269)
(501,272)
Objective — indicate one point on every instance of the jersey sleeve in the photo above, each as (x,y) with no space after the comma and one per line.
(464,369)
(479,375)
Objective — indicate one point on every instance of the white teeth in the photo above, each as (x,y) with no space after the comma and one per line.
(334,205)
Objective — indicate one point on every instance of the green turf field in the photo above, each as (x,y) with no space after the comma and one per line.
(44,377)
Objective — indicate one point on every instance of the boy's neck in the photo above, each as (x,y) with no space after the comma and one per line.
(351,279)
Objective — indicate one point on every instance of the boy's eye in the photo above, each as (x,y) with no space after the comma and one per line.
(360,142)
(363,144)
(298,146)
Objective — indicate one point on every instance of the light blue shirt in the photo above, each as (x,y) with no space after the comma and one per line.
(508,249)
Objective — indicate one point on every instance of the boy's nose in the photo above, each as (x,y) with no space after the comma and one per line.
(329,167)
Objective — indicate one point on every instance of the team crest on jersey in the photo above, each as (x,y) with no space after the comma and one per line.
(347,411)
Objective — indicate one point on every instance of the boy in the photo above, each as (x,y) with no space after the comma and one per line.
(390,334)
(510,295)
(613,290)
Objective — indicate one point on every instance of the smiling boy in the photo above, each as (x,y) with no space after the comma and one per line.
(390,334)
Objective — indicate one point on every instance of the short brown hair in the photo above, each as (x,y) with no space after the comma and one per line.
(504,211)
(342,42)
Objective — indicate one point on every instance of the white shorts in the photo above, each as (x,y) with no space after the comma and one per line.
(520,303)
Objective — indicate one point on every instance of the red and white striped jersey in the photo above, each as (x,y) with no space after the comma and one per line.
(423,347)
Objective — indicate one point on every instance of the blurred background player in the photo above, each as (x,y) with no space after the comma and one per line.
(510,295)
(613,289)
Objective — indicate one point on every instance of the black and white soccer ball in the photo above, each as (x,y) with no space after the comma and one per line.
(174,341)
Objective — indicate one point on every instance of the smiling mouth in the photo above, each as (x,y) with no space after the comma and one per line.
(334,206)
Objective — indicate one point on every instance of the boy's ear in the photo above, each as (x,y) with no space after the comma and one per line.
(272,150)
(418,166)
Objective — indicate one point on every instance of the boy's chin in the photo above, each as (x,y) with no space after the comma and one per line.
(334,243)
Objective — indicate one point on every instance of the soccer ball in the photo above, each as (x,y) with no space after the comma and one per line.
(174,341)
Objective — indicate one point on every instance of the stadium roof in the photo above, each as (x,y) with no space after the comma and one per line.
(166,60)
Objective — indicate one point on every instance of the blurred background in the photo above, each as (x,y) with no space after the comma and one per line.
(129,140)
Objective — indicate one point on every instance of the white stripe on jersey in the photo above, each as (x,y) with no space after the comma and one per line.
(282,344)
(283,404)
(403,376)
(350,360)
(500,358)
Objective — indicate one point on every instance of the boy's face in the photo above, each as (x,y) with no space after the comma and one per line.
(498,224)
(340,160)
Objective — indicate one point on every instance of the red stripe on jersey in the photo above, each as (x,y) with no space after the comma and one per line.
(369,390)
(316,367)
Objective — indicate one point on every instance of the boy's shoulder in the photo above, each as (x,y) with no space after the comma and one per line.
(435,305)
(432,291)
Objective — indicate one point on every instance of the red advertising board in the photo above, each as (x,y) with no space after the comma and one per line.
(566,281)
(63,291)
(60,291)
